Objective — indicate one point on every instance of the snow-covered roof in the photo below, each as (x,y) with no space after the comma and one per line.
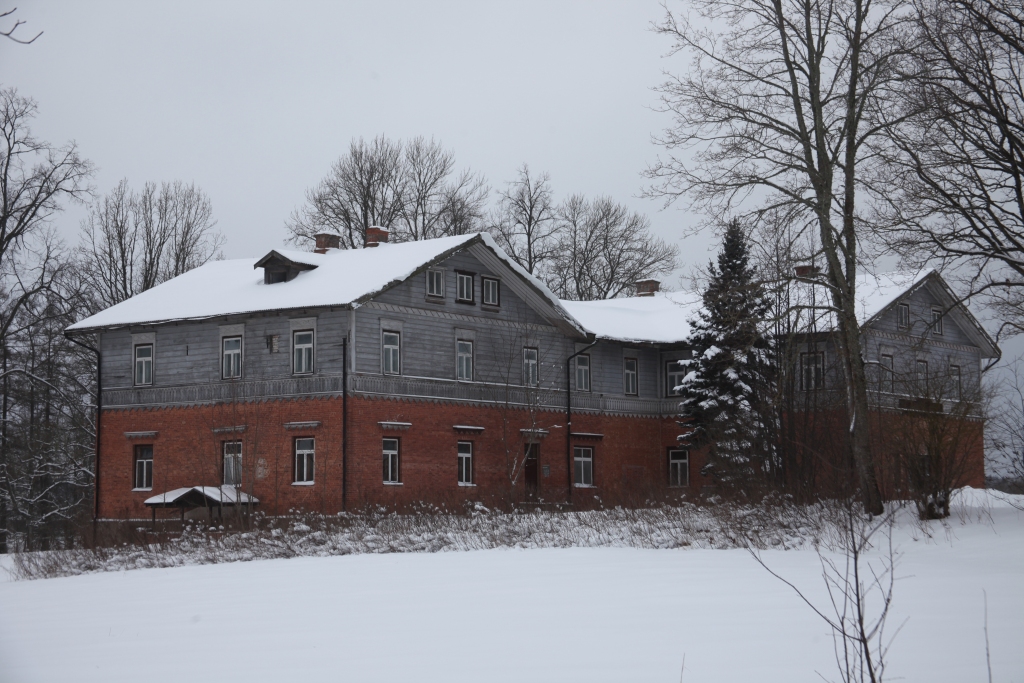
(662,318)
(340,277)
(214,495)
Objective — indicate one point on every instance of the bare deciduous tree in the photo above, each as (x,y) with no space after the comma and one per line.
(956,182)
(9,32)
(133,241)
(778,109)
(523,223)
(603,249)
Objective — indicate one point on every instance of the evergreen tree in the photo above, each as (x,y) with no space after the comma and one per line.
(727,393)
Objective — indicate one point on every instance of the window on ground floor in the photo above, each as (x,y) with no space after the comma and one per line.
(583,465)
(143,468)
(390,450)
(305,460)
(232,463)
(465,463)
(678,467)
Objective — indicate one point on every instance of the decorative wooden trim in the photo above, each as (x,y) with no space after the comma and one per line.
(429,313)
(397,426)
(140,435)
(311,424)
(229,430)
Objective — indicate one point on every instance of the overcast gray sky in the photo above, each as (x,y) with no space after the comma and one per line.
(253,101)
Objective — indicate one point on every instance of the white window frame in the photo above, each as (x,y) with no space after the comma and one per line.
(232,451)
(304,470)
(531,366)
(464,450)
(390,354)
(583,467)
(886,363)
(435,283)
(391,450)
(921,375)
(583,374)
(310,357)
(143,467)
(230,361)
(631,377)
(816,379)
(903,316)
(678,468)
(143,365)
(486,284)
(956,379)
(462,281)
(937,322)
(461,368)
(669,372)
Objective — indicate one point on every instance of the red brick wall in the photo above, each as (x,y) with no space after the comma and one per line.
(630,460)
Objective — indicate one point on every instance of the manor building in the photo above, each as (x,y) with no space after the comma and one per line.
(437,371)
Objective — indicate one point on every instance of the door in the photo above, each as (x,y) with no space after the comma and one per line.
(530,470)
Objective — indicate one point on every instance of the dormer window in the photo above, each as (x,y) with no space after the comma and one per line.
(280,268)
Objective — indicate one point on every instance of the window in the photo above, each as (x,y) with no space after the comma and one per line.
(887,378)
(391,353)
(143,468)
(583,373)
(305,459)
(144,364)
(231,357)
(903,316)
(531,378)
(674,374)
(302,343)
(464,292)
(812,370)
(937,322)
(232,463)
(678,468)
(390,448)
(583,466)
(492,291)
(465,463)
(464,360)
(922,375)
(435,283)
(956,390)
(629,376)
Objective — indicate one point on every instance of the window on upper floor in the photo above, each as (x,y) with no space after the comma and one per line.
(491,291)
(305,460)
(903,316)
(583,372)
(464,360)
(955,383)
(887,374)
(231,357)
(465,450)
(922,376)
(232,463)
(937,322)
(531,369)
(143,479)
(812,370)
(391,356)
(143,364)
(435,283)
(675,371)
(678,467)
(629,376)
(302,352)
(464,287)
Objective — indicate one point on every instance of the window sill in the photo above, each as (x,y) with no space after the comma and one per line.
(432,299)
(467,485)
(468,302)
(584,486)
(141,490)
(392,483)
(490,308)
(303,483)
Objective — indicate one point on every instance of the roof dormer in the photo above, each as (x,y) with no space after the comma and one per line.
(279,268)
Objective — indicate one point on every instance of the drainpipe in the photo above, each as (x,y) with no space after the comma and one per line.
(568,418)
(344,422)
(99,413)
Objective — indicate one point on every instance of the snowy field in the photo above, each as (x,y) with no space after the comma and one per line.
(576,614)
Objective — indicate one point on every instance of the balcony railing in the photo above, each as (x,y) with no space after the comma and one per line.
(377,385)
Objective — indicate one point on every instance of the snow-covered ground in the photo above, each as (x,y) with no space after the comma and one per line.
(575,614)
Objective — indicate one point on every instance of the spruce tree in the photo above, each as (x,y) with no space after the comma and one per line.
(727,393)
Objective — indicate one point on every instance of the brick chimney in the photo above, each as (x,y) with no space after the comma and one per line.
(647,287)
(325,241)
(806,270)
(375,235)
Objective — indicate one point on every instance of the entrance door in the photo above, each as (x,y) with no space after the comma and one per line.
(530,470)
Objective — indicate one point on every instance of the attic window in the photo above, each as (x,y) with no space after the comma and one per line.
(937,322)
(903,316)
(274,276)
(279,268)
